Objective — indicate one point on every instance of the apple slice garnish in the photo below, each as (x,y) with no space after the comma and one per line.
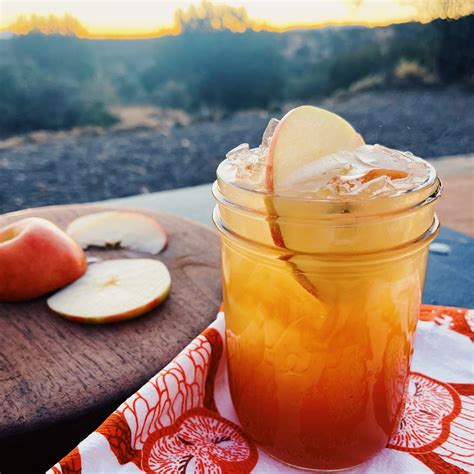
(119,229)
(114,290)
(303,135)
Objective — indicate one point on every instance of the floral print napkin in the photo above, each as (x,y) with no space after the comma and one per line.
(182,420)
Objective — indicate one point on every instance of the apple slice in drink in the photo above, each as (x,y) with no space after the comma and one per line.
(303,136)
(114,290)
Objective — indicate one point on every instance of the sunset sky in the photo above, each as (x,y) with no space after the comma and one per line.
(128,18)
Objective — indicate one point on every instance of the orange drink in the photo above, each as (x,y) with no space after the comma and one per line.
(321,300)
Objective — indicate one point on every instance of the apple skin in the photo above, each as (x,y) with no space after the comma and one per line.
(119,317)
(304,124)
(275,229)
(37,257)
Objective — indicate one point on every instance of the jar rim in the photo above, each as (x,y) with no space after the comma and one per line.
(429,181)
(336,206)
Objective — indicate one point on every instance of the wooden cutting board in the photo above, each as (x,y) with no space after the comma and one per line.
(60,379)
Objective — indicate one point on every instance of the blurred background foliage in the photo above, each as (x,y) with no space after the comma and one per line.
(218,64)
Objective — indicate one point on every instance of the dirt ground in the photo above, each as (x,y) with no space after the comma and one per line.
(160,154)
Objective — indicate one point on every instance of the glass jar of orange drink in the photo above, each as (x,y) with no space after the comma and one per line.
(324,250)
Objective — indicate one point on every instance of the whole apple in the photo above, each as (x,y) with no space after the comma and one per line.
(37,257)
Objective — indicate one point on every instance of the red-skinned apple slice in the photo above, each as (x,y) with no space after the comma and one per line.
(114,290)
(119,228)
(304,134)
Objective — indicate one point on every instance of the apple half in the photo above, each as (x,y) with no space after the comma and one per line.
(114,290)
(36,258)
(119,229)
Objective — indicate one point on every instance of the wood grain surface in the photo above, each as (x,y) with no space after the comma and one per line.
(55,373)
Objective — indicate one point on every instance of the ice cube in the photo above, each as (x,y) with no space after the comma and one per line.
(318,173)
(269,131)
(245,165)
(364,172)
(238,153)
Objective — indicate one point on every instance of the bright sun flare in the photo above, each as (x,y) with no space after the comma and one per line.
(147,18)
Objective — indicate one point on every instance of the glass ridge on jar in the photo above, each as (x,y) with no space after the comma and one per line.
(320,330)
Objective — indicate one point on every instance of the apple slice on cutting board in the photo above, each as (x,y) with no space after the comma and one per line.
(119,229)
(114,290)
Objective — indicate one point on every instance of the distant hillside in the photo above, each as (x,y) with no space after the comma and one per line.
(313,62)
(4,35)
(56,82)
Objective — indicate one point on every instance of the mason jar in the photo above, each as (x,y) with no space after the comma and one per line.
(321,301)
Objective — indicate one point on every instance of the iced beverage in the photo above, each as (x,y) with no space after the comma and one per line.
(323,262)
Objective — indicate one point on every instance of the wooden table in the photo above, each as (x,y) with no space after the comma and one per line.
(59,380)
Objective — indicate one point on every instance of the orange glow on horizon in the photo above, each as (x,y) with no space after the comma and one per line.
(148,19)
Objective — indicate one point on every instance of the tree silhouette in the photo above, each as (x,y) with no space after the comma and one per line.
(454,48)
(66,25)
(209,16)
(444,9)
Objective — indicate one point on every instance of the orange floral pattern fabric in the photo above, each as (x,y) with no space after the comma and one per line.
(460,320)
(437,424)
(182,420)
(214,444)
